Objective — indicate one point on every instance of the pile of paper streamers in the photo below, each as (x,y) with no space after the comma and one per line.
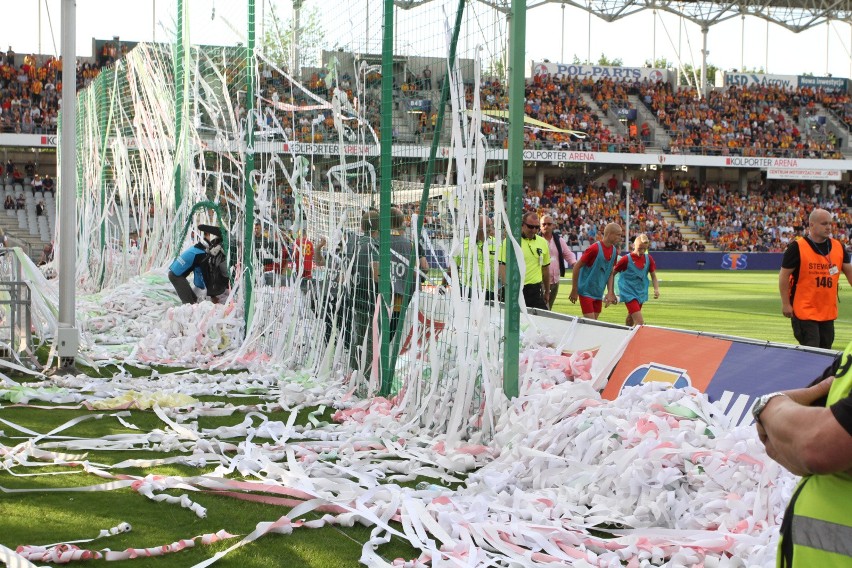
(659,470)
(193,334)
(140,322)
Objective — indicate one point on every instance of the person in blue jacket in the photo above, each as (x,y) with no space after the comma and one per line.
(206,261)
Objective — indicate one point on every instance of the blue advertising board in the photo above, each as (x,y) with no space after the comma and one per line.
(667,260)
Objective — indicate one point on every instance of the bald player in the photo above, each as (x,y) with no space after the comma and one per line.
(590,275)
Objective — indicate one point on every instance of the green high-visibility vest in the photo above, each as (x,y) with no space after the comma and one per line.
(817,528)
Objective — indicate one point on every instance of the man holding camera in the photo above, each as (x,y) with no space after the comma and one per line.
(206,261)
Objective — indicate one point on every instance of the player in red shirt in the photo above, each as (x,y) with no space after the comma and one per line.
(303,257)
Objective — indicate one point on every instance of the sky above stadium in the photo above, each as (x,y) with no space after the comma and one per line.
(735,44)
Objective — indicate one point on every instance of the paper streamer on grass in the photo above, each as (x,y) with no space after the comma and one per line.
(564,461)
(66,552)
(104,533)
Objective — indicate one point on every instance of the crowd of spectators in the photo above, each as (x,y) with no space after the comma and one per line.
(839,103)
(558,101)
(581,210)
(765,219)
(747,121)
(555,100)
(29,93)
(316,125)
(742,121)
(31,90)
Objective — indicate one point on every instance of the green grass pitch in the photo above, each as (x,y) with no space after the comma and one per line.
(744,304)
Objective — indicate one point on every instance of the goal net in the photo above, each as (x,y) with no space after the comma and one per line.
(285,147)
(327,211)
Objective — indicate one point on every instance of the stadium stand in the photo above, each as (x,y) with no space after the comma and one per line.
(753,121)
(31,87)
(759,121)
(737,121)
(764,220)
(30,210)
(741,121)
(581,210)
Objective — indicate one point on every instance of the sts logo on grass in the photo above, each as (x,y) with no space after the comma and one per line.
(678,378)
(734,261)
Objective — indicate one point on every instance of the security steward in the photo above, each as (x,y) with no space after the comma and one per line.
(536,261)
(809,280)
(809,432)
(485,251)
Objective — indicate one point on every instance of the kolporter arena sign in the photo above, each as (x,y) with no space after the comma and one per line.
(779,168)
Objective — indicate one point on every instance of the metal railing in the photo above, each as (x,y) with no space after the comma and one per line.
(15,309)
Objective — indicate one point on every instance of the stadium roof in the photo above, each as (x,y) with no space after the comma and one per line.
(795,15)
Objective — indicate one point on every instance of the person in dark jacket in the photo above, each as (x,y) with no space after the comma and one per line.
(206,261)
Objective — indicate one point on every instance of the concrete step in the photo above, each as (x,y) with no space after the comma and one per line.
(31,244)
(606,120)
(659,136)
(688,233)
